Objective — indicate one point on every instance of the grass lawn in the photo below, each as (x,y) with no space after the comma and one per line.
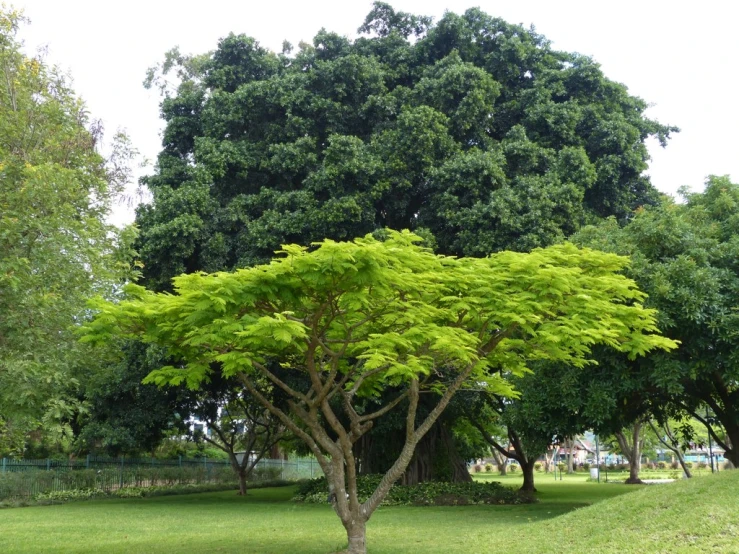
(691,516)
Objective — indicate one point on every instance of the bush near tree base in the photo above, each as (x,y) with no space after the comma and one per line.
(432,493)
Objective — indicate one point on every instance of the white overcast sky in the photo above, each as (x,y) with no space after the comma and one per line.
(680,57)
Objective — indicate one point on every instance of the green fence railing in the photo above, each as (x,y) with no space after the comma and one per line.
(21,478)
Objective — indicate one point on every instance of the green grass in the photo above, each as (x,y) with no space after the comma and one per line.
(688,516)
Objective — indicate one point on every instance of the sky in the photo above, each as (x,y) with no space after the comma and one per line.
(679,57)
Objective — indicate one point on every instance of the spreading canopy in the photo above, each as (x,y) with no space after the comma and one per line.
(378,313)
(359,317)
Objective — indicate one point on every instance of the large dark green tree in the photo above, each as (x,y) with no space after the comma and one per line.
(471,131)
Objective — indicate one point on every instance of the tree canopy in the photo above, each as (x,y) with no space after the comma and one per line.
(56,249)
(473,132)
(356,318)
(685,257)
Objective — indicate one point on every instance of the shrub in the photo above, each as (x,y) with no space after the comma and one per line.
(586,466)
(538,466)
(432,493)
(488,467)
(674,465)
(561,466)
(612,466)
(702,465)
(265,473)
(661,465)
(77,494)
(728,465)
(689,465)
(513,468)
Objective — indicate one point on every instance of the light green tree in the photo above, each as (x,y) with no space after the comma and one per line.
(355,318)
(56,249)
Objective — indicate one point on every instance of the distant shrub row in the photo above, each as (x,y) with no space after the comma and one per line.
(16,485)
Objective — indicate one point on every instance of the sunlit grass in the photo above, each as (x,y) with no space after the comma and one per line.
(689,516)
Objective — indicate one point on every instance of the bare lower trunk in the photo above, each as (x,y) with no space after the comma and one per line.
(242,483)
(436,459)
(570,456)
(632,451)
(528,476)
(668,440)
(500,462)
(686,469)
(548,460)
(732,442)
(356,532)
(634,467)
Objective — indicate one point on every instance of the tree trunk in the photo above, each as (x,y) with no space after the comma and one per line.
(436,458)
(548,460)
(242,483)
(670,442)
(732,442)
(356,531)
(632,452)
(500,462)
(570,456)
(634,467)
(527,468)
(686,469)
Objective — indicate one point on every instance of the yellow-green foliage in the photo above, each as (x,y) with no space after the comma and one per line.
(390,311)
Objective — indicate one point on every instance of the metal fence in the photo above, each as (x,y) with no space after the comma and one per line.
(21,478)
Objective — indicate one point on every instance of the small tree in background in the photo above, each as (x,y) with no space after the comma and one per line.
(358,317)
(240,424)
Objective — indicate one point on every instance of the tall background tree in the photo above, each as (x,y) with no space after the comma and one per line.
(56,249)
(472,131)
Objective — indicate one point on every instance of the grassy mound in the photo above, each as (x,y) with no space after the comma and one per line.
(695,515)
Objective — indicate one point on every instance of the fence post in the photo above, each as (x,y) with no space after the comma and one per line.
(4,464)
(120,480)
(87,462)
(48,464)
(179,460)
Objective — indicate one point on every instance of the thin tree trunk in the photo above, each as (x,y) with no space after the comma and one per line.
(686,469)
(548,460)
(242,483)
(500,462)
(672,446)
(570,456)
